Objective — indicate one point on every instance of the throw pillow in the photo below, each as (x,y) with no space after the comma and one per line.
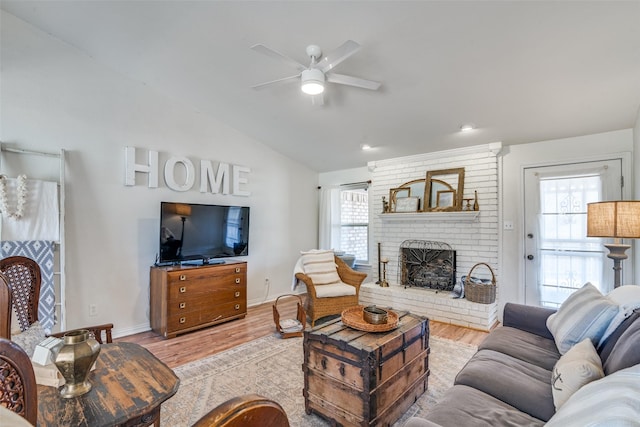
(30,338)
(320,266)
(611,401)
(585,314)
(579,366)
(628,299)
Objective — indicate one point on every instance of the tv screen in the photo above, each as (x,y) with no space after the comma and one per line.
(202,232)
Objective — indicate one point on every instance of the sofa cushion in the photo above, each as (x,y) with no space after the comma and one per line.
(576,368)
(626,352)
(522,345)
(611,401)
(320,266)
(628,299)
(608,345)
(585,314)
(466,406)
(523,385)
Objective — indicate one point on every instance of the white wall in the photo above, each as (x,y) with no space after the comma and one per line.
(54,96)
(515,158)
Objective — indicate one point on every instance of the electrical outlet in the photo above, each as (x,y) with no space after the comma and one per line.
(93,310)
(508,225)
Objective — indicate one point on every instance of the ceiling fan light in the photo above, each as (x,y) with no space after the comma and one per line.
(312,81)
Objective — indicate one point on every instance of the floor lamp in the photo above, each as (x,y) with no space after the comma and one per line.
(617,220)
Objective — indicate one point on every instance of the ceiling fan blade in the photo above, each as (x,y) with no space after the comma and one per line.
(352,81)
(335,57)
(261,85)
(277,55)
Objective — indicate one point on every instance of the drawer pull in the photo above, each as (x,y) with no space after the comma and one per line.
(342,371)
(237,294)
(183,305)
(237,280)
(237,307)
(183,289)
(183,319)
(237,269)
(323,362)
(183,277)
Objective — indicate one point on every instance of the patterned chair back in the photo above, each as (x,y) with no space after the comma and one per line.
(24,280)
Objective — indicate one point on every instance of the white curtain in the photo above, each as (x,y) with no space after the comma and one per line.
(329,218)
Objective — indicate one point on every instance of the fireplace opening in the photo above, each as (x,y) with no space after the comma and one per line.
(427,264)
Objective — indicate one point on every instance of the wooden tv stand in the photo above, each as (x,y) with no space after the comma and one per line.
(186,298)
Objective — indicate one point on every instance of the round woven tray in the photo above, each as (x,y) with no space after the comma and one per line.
(352,317)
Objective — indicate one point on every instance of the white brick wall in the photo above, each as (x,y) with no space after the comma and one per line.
(475,239)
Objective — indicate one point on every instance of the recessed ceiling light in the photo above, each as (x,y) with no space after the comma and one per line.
(365,147)
(467,127)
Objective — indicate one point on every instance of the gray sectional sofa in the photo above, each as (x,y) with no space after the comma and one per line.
(508,382)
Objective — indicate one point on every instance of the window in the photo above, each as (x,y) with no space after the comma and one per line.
(354,223)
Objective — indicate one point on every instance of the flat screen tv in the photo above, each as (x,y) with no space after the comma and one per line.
(194,232)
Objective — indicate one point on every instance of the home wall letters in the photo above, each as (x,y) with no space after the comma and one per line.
(180,172)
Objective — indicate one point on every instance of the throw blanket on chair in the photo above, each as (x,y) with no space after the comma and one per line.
(40,251)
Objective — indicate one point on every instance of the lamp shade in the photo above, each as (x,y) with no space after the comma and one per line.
(618,219)
(183,210)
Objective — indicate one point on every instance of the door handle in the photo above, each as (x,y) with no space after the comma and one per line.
(530,257)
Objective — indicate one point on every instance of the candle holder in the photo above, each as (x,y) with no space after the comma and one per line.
(383,282)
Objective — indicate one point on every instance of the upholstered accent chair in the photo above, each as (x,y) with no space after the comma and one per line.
(23,280)
(251,410)
(331,284)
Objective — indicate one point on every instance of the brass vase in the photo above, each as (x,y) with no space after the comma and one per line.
(74,359)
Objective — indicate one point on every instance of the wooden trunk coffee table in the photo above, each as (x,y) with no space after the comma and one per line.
(128,386)
(358,378)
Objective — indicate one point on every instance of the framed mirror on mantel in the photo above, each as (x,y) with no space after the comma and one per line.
(443,190)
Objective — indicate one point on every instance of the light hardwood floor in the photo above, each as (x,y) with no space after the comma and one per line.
(258,323)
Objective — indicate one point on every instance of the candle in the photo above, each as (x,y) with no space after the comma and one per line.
(384,259)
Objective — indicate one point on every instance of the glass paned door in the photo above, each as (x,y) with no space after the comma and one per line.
(560,258)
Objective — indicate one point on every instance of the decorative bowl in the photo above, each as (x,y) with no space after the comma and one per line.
(375,315)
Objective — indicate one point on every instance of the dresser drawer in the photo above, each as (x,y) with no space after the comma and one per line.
(196,301)
(220,274)
(191,318)
(197,290)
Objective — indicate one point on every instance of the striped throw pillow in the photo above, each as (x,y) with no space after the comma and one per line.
(320,266)
(611,401)
(585,314)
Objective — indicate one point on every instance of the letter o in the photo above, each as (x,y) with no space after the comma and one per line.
(169,173)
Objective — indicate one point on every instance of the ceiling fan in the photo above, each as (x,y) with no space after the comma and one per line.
(314,76)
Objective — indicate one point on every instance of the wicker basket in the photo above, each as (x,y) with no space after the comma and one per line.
(484,293)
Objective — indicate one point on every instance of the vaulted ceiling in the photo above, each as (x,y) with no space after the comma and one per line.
(521,71)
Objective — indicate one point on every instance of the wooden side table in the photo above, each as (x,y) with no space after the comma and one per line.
(128,386)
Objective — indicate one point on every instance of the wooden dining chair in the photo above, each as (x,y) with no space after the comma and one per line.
(24,280)
(18,389)
(250,410)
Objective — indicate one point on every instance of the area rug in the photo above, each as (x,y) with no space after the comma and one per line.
(272,367)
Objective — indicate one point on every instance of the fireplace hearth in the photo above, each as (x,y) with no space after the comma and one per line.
(427,264)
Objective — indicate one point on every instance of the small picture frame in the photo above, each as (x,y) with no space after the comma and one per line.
(397,193)
(407,204)
(445,199)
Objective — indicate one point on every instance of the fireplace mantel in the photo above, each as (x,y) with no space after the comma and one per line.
(462,216)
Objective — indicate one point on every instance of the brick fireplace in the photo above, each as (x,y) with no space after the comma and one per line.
(472,236)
